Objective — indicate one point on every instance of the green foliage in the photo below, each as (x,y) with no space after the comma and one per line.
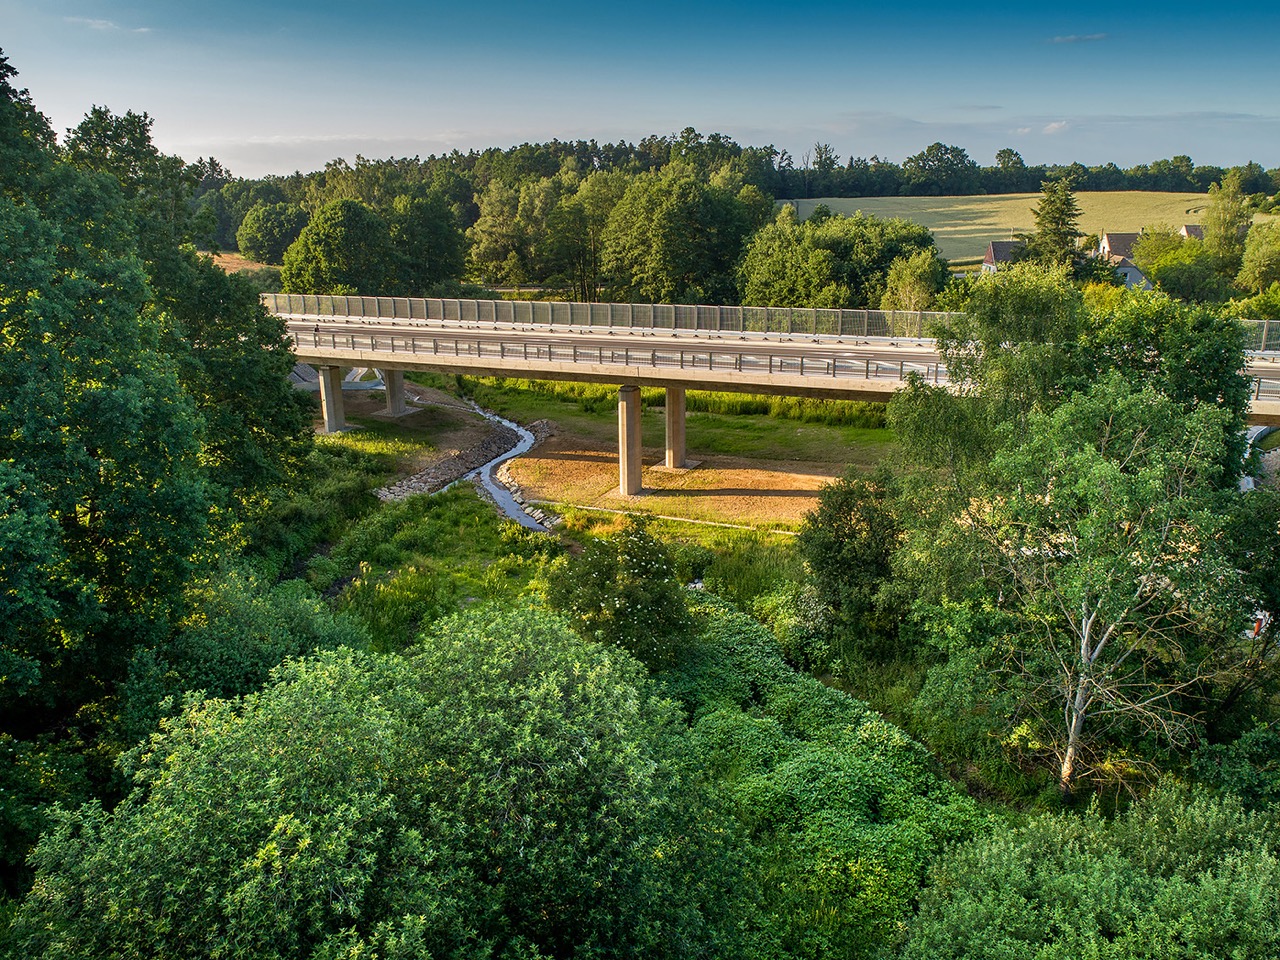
(1057,218)
(747,565)
(268,230)
(1260,265)
(429,246)
(1226,220)
(623,591)
(1178,876)
(847,544)
(237,629)
(674,239)
(843,811)
(345,249)
(1248,767)
(1187,353)
(1013,349)
(801,623)
(834,262)
(1188,272)
(1102,535)
(914,281)
(511,792)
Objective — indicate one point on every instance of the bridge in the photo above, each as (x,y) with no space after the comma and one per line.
(835,354)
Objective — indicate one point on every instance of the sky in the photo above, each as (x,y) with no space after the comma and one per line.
(272,87)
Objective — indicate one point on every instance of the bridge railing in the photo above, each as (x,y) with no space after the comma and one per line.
(1262,336)
(646,316)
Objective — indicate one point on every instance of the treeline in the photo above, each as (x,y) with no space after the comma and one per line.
(674,219)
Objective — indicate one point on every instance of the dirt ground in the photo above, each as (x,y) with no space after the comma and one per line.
(570,469)
(564,469)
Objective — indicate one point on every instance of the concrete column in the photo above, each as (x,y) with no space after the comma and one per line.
(331,398)
(675,427)
(629,440)
(393,381)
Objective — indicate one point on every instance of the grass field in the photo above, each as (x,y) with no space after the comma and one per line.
(964,226)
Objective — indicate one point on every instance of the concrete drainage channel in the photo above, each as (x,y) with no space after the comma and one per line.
(486,464)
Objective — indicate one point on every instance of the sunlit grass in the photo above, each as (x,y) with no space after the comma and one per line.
(963,226)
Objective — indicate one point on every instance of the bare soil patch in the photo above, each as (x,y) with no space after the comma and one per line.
(566,469)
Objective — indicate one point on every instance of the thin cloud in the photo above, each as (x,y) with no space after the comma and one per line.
(1080,38)
(1056,127)
(93,24)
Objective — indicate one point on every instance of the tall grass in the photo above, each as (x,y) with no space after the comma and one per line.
(603,398)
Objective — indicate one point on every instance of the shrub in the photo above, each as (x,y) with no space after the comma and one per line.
(623,591)
(1178,876)
(510,793)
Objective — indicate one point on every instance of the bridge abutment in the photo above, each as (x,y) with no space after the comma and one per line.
(629,464)
(331,399)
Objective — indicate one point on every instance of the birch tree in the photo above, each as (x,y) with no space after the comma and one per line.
(1103,534)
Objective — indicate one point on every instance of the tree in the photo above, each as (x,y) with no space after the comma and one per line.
(673,239)
(1226,220)
(1014,348)
(940,170)
(268,230)
(834,261)
(848,545)
(913,281)
(1189,272)
(499,248)
(577,226)
(345,249)
(1191,355)
(1102,536)
(431,248)
(1260,266)
(509,792)
(1057,219)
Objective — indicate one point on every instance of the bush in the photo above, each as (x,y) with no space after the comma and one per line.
(844,811)
(623,591)
(1178,876)
(510,793)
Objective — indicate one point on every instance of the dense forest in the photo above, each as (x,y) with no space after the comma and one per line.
(1011,694)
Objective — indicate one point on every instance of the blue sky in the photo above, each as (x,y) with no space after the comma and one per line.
(270,87)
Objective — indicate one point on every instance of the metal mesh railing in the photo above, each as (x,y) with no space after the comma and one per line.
(801,321)
(1262,336)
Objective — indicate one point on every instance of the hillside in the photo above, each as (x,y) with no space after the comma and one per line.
(964,225)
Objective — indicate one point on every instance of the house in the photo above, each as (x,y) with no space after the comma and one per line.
(1116,249)
(1117,244)
(1000,253)
(1192,231)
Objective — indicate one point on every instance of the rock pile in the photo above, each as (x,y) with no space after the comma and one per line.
(444,472)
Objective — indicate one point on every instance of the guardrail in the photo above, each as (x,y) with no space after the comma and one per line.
(636,316)
(723,360)
(1261,336)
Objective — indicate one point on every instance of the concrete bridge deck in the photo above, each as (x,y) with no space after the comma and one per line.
(854,355)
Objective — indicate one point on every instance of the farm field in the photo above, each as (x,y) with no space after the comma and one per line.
(964,226)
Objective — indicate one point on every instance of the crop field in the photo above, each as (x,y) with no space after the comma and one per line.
(963,226)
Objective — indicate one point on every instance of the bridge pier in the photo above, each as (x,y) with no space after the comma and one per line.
(393,383)
(629,440)
(331,399)
(675,427)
